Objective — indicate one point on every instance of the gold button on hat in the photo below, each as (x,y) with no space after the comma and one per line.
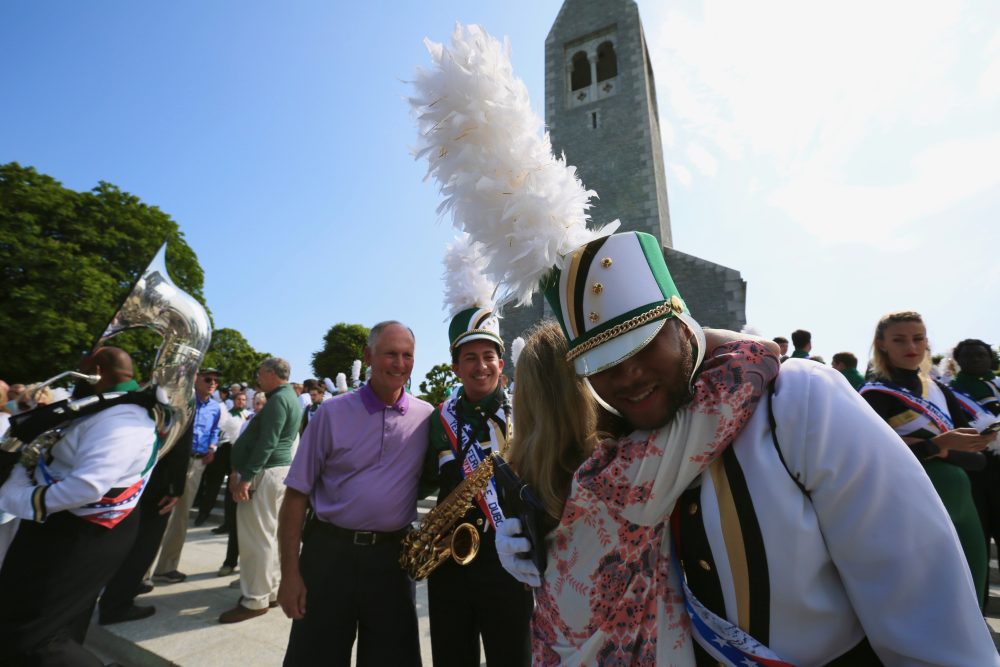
(606,262)
(594,317)
(597,288)
(693,508)
(703,564)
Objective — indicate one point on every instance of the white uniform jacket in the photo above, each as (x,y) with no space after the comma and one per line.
(870,552)
(111,449)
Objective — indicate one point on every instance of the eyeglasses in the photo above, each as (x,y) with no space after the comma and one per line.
(211,380)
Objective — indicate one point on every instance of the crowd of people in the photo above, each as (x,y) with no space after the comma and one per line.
(323,486)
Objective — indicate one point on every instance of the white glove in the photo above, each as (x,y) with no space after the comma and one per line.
(16,494)
(508,548)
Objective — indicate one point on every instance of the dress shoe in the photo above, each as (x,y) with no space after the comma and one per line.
(226,570)
(200,519)
(239,613)
(221,530)
(131,613)
(270,605)
(172,577)
(144,587)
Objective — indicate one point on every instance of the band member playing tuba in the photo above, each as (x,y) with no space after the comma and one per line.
(82,468)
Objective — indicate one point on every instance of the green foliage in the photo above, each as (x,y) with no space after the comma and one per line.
(437,386)
(342,344)
(235,358)
(67,261)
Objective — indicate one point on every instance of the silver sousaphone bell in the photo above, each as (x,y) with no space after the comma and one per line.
(156,303)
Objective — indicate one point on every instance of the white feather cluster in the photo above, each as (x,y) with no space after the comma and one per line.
(465,282)
(515,349)
(495,168)
(330,387)
(341,383)
(356,371)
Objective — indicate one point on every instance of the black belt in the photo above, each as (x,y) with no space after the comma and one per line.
(361,538)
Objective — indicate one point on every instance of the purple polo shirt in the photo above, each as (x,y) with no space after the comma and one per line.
(359,460)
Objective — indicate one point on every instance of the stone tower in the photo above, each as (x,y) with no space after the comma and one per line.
(600,111)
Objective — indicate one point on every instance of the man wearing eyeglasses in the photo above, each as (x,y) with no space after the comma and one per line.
(203,446)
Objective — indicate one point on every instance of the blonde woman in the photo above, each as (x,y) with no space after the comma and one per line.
(931,421)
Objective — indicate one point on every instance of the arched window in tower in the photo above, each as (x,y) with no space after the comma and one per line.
(607,62)
(580,75)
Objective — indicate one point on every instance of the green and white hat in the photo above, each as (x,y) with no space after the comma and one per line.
(527,209)
(611,297)
(474,324)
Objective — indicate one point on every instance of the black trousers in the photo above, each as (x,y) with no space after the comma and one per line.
(211,482)
(354,591)
(479,599)
(233,545)
(119,594)
(49,584)
(986,495)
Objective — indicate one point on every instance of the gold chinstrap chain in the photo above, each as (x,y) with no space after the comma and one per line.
(664,308)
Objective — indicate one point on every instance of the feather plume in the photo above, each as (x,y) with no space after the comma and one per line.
(515,349)
(330,387)
(496,172)
(355,372)
(341,383)
(465,283)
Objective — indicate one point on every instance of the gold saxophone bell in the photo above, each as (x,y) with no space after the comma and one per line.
(464,543)
(438,537)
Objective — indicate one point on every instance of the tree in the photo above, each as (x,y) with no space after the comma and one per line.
(67,261)
(235,358)
(342,344)
(437,386)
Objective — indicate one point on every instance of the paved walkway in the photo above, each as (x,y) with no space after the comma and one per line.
(185,629)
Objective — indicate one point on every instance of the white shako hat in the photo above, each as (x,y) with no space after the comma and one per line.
(527,210)
(611,297)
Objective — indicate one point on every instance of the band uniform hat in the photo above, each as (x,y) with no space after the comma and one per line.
(474,324)
(611,297)
(209,371)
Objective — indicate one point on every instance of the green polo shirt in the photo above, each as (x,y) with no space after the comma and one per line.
(267,440)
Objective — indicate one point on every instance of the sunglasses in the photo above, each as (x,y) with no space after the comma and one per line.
(210,380)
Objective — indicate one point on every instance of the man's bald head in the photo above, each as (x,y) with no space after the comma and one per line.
(113,364)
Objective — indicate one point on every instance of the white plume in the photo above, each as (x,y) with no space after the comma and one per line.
(515,349)
(341,383)
(355,371)
(495,168)
(751,330)
(465,282)
(330,387)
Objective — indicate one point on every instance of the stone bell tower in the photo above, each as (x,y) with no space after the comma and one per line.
(600,111)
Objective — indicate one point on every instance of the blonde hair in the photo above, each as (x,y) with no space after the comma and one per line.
(881,366)
(555,427)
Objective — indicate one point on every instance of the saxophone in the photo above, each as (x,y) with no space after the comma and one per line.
(437,538)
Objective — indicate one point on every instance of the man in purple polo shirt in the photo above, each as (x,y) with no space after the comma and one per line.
(358,466)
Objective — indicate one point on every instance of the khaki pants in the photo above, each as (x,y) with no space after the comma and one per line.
(176,532)
(257,528)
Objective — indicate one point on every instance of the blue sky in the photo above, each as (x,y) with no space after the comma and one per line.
(843,158)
